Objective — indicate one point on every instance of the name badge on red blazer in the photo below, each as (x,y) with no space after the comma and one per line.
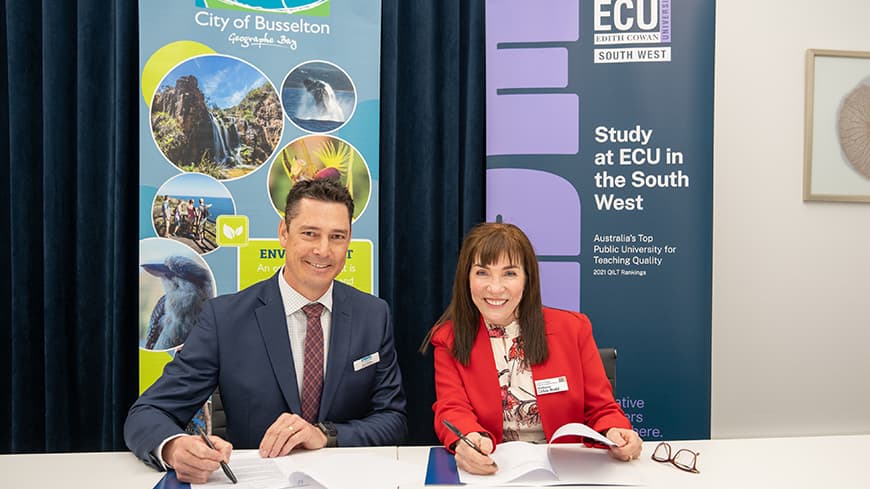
(549,386)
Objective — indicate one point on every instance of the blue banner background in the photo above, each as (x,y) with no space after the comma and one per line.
(547,102)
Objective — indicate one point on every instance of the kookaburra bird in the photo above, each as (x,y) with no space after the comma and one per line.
(186,286)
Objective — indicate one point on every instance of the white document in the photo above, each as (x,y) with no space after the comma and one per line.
(580,429)
(327,469)
(252,472)
(528,464)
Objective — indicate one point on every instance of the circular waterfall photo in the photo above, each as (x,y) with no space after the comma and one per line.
(217,115)
(318,96)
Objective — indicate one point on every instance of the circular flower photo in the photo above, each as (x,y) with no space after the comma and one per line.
(318,96)
(216,115)
(316,156)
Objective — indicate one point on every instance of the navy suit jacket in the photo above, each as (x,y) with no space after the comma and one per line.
(241,343)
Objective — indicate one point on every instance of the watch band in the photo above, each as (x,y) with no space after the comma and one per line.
(328,429)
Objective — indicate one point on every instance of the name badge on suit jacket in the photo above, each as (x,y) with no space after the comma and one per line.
(366,361)
(549,386)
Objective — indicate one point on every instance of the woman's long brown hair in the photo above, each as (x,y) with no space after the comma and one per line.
(485,244)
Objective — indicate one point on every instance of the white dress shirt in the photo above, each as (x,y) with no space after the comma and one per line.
(297,324)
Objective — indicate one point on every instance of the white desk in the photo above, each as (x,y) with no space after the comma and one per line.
(107,470)
(768,463)
(804,462)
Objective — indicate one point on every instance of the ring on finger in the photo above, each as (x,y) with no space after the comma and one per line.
(291,429)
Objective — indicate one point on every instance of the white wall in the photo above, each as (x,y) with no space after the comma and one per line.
(791,279)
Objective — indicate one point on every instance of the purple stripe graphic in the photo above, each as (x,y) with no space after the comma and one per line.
(665,20)
(551,219)
(540,68)
(530,123)
(560,284)
(525,21)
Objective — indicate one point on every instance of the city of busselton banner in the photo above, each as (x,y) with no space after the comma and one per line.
(600,146)
(241,99)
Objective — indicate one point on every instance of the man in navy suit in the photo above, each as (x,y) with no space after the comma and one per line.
(254,344)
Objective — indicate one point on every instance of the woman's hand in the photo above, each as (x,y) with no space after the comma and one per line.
(472,462)
(628,443)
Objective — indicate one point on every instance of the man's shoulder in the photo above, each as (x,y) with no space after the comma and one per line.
(356,296)
(256,292)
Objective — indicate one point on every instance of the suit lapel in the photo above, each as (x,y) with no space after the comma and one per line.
(273,328)
(339,346)
(552,411)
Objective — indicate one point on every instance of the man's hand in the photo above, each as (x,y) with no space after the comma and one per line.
(288,432)
(472,462)
(628,443)
(193,460)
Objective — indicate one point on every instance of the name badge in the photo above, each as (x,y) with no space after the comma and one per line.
(366,361)
(549,386)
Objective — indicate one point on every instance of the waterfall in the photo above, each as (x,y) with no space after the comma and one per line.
(225,142)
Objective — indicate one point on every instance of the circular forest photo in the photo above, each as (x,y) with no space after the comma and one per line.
(216,115)
(316,156)
(318,96)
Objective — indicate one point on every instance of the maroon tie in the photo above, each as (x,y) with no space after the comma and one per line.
(312,376)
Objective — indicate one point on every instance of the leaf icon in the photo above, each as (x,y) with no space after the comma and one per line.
(239,230)
(228,232)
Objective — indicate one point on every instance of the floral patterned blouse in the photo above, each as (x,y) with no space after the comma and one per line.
(519,404)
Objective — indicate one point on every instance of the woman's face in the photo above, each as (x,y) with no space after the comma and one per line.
(497,289)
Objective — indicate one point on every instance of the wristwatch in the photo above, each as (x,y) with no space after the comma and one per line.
(328,429)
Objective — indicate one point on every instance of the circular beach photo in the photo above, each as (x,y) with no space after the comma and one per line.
(174,283)
(318,96)
(186,209)
(317,156)
(217,115)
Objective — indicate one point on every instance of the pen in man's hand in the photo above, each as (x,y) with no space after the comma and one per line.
(464,438)
(224,466)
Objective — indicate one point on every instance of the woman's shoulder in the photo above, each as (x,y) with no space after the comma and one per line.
(443,334)
(565,320)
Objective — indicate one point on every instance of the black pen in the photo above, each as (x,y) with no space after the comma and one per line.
(462,437)
(224,466)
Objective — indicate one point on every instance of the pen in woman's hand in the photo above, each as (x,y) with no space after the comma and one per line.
(224,466)
(464,438)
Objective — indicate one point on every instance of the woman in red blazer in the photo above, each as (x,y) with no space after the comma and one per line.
(507,368)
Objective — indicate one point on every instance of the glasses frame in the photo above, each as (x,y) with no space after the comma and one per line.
(671,459)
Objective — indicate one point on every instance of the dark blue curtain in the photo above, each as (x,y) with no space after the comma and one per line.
(68,251)
(432,172)
(68,254)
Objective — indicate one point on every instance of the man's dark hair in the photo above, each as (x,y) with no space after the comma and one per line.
(322,189)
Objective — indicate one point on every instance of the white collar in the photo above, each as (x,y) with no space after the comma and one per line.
(294,301)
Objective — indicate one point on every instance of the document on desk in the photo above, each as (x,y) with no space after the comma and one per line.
(528,464)
(326,469)
(252,472)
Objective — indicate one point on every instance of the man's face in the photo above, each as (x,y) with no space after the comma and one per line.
(315,244)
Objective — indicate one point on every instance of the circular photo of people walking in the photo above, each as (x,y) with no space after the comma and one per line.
(318,96)
(318,156)
(217,115)
(174,283)
(186,209)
